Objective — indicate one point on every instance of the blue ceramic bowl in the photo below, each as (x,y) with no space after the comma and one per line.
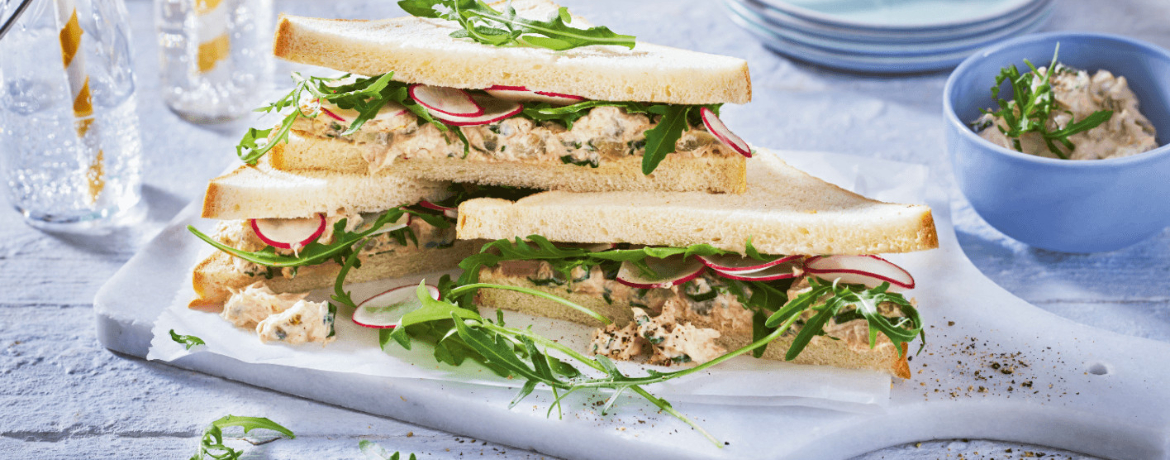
(1062,205)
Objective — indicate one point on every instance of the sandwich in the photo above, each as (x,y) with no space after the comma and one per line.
(580,108)
(280,235)
(689,277)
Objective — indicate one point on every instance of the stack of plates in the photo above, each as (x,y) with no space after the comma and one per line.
(886,36)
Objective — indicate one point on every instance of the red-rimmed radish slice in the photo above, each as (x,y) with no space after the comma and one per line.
(717,128)
(520,93)
(368,221)
(441,100)
(450,212)
(494,110)
(733,263)
(384,310)
(671,271)
(788,269)
(331,114)
(390,110)
(286,233)
(868,270)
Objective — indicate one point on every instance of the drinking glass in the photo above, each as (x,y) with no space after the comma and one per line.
(215,56)
(69,143)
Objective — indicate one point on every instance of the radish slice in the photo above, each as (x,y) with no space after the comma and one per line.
(286,233)
(789,269)
(384,310)
(452,213)
(520,93)
(671,271)
(368,222)
(390,110)
(868,270)
(716,127)
(446,101)
(732,263)
(494,110)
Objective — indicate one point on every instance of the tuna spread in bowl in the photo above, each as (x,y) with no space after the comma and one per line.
(1037,197)
(1069,115)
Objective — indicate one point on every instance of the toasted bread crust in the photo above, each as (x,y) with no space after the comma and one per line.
(215,277)
(784,211)
(419,50)
(884,357)
(260,192)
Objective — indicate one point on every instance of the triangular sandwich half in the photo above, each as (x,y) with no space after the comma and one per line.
(582,119)
(721,268)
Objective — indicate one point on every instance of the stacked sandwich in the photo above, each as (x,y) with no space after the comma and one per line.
(599,168)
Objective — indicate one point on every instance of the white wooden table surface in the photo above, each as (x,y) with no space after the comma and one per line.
(64,396)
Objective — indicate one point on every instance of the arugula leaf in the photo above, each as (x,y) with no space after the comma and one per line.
(484,24)
(211,444)
(373,451)
(660,139)
(1032,106)
(189,340)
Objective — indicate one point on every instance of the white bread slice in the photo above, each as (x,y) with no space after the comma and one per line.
(784,211)
(215,276)
(305,152)
(884,357)
(420,50)
(257,192)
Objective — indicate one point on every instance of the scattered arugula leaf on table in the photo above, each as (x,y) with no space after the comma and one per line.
(211,444)
(373,451)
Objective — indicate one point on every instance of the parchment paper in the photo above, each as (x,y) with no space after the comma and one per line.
(741,381)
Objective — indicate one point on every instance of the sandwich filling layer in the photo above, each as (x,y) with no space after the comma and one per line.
(422,235)
(682,323)
(604,133)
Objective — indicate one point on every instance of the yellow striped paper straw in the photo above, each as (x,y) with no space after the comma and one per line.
(74,61)
(214,43)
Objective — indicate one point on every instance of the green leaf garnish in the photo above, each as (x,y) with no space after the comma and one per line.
(373,451)
(482,23)
(189,340)
(313,253)
(211,444)
(1032,106)
(366,95)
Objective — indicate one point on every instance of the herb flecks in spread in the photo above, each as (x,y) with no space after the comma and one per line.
(1061,112)
(482,23)
(286,318)
(586,133)
(710,301)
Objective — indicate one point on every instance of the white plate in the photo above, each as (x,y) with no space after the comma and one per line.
(889,36)
(900,14)
(869,47)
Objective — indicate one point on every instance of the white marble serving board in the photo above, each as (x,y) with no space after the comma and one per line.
(995,367)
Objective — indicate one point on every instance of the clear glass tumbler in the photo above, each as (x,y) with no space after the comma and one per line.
(215,56)
(69,142)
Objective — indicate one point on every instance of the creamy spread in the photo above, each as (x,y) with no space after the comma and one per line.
(680,324)
(1076,96)
(303,322)
(239,234)
(287,318)
(605,133)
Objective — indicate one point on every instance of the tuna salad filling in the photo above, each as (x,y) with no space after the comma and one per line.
(603,134)
(285,318)
(1076,97)
(416,236)
(683,323)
